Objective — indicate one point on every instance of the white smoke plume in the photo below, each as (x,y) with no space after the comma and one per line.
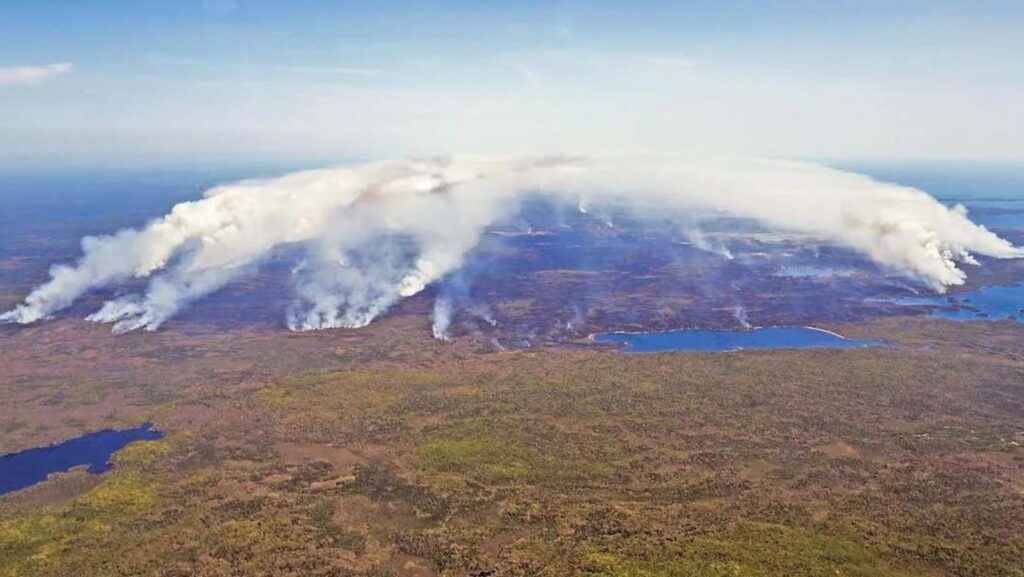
(702,242)
(376,233)
(740,314)
(487,315)
(442,318)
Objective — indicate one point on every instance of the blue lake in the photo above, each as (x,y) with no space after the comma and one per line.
(986,303)
(31,466)
(723,341)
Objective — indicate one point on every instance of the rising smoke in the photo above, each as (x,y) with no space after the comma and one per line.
(441,318)
(377,233)
(740,314)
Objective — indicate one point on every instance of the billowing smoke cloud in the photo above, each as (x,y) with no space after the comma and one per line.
(376,233)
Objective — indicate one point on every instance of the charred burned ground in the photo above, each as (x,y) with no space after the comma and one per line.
(516,449)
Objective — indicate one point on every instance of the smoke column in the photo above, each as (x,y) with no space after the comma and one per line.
(376,233)
(740,314)
(442,318)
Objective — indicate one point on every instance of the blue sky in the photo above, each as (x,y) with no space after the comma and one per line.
(151,81)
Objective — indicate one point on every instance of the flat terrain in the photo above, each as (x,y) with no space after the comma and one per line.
(384,452)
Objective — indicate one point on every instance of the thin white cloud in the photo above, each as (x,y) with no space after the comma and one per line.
(21,75)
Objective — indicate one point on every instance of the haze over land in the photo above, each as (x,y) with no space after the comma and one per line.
(665,288)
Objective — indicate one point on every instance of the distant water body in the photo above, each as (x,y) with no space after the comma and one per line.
(31,466)
(988,303)
(725,341)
